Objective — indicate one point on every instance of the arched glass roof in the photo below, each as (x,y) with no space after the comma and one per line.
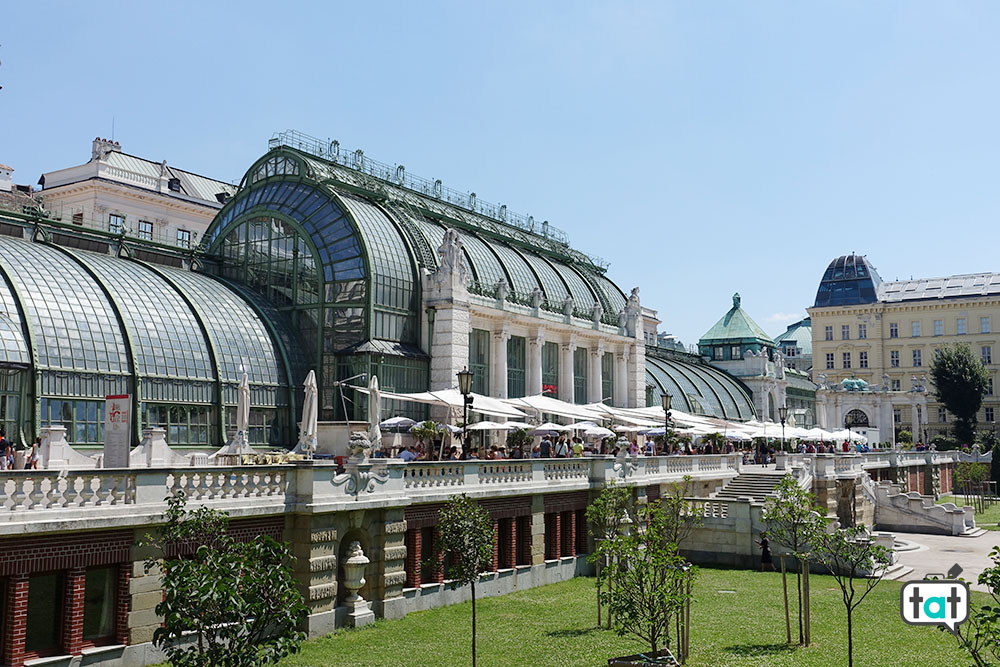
(487,267)
(583,297)
(552,285)
(14,349)
(76,327)
(523,279)
(167,340)
(239,338)
(699,389)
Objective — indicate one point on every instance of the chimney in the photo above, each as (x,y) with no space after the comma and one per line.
(6,178)
(102,147)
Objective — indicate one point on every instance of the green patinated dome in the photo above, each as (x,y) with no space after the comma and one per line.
(736,327)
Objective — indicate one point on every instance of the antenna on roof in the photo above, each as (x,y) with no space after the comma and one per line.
(112,128)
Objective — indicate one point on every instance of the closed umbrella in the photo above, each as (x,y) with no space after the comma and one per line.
(310,417)
(374,414)
(243,409)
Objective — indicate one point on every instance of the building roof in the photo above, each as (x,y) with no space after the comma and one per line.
(698,388)
(951,287)
(799,333)
(736,326)
(849,280)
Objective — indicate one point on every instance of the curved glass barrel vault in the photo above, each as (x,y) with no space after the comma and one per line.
(79,325)
(697,388)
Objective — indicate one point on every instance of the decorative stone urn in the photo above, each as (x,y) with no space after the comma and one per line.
(358,611)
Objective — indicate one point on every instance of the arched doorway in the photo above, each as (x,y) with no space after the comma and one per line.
(856,419)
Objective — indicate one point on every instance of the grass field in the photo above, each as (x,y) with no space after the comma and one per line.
(737,619)
(987,520)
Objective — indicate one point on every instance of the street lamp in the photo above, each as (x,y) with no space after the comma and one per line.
(783,415)
(666,398)
(465,387)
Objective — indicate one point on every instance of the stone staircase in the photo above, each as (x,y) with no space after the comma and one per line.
(915,513)
(757,485)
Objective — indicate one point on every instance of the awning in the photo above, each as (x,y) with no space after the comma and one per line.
(553,406)
(452,398)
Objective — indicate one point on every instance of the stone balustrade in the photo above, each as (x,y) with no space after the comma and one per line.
(107,498)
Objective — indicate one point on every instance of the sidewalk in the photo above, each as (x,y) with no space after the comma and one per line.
(938,553)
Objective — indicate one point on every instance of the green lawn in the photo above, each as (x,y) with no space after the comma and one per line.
(554,625)
(987,519)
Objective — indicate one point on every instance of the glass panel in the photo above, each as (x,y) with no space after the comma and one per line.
(580,356)
(479,360)
(515,367)
(99,603)
(45,606)
(550,369)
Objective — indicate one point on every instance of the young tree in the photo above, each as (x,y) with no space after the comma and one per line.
(604,516)
(466,535)
(651,581)
(979,636)
(794,521)
(678,515)
(850,554)
(960,382)
(239,599)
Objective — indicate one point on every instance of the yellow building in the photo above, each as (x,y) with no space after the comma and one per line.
(886,333)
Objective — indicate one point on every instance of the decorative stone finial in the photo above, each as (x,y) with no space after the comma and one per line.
(736,300)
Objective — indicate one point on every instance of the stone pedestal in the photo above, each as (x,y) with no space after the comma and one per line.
(359,613)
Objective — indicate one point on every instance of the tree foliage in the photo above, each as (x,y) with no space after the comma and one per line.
(678,515)
(960,381)
(795,522)
(239,600)
(850,554)
(466,539)
(605,516)
(650,580)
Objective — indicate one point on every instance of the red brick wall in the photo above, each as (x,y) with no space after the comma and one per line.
(28,555)
(15,619)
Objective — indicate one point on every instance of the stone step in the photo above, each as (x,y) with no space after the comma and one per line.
(897,571)
(975,532)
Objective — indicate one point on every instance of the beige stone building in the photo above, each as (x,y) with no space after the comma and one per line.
(886,333)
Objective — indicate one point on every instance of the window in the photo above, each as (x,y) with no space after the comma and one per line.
(942,415)
(862,360)
(84,420)
(581,358)
(915,329)
(99,596)
(897,416)
(829,359)
(829,332)
(515,366)
(45,606)
(984,325)
(78,218)
(917,358)
(183,238)
(479,360)
(719,353)
(550,369)
(894,384)
(116,223)
(862,331)
(987,353)
(893,330)
(845,332)
(894,358)
(960,327)
(846,357)
(789,350)
(988,414)
(607,377)
(938,327)
(146,230)
(989,387)
(734,352)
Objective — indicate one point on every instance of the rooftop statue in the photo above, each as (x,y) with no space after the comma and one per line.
(451,258)
(736,300)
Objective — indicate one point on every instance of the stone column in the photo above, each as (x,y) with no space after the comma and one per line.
(498,378)
(566,351)
(534,379)
(446,293)
(621,378)
(537,530)
(392,565)
(594,377)
(915,423)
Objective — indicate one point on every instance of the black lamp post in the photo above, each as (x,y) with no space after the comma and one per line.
(465,387)
(783,415)
(666,398)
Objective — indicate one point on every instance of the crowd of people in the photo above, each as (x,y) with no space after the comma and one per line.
(9,451)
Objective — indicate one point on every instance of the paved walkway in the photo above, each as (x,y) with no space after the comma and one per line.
(938,553)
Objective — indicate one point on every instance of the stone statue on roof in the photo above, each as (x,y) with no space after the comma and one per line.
(596,312)
(502,290)
(451,258)
(736,300)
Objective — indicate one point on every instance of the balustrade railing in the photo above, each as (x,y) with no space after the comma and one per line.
(52,489)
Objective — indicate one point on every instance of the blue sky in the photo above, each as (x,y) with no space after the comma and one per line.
(700,147)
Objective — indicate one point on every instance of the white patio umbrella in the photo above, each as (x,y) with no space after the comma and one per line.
(521,425)
(396,423)
(310,413)
(487,426)
(239,445)
(598,432)
(374,414)
(549,427)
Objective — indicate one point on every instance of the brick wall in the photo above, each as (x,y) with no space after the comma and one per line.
(63,552)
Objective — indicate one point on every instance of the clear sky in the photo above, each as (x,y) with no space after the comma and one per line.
(702,148)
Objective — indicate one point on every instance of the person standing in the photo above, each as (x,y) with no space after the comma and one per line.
(545,448)
(765,552)
(562,448)
(577,448)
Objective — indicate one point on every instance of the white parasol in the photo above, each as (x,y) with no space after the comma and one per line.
(374,414)
(310,417)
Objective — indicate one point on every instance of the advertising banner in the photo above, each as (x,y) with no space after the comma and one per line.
(117,430)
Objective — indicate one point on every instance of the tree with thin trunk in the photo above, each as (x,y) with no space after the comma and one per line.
(679,517)
(651,581)
(466,536)
(794,520)
(605,515)
(850,554)
(960,382)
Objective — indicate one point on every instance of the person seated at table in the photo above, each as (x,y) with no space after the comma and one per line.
(408,454)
